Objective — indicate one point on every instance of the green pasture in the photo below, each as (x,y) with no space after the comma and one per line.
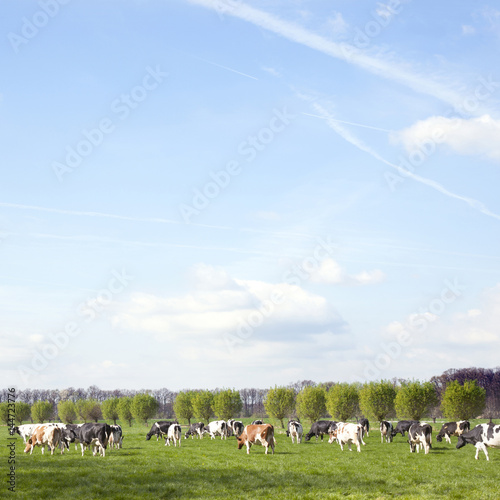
(217,469)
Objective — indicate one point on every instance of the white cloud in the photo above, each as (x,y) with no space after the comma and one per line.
(468,30)
(476,136)
(330,272)
(276,310)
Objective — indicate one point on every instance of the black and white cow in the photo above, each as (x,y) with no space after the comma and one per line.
(386,431)
(159,429)
(234,427)
(482,437)
(25,431)
(257,422)
(174,435)
(453,429)
(95,435)
(295,431)
(290,422)
(365,424)
(116,438)
(216,428)
(319,428)
(420,435)
(195,430)
(403,426)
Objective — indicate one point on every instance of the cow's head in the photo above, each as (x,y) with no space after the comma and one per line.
(461,442)
(333,435)
(13,430)
(29,445)
(241,441)
(148,436)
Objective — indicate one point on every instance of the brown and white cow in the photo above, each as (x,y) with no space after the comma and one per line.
(263,433)
(43,435)
(347,433)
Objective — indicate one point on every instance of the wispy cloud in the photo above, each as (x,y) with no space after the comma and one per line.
(349,137)
(387,68)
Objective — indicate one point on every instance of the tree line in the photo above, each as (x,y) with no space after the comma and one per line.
(455,395)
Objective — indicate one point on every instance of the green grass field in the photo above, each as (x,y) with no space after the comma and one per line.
(217,469)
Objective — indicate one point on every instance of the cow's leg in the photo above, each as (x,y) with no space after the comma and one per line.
(358,447)
(248,448)
(447,437)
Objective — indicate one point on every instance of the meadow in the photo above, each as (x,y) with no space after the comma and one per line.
(215,469)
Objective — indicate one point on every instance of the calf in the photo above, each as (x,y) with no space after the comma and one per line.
(174,434)
(403,426)
(347,433)
(216,428)
(365,424)
(44,435)
(453,429)
(195,430)
(386,431)
(263,433)
(319,428)
(295,431)
(482,437)
(420,435)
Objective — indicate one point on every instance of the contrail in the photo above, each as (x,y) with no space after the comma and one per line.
(157,220)
(349,123)
(346,135)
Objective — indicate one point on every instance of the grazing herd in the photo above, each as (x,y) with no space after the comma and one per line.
(99,435)
(96,436)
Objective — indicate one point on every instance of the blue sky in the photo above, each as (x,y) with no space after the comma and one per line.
(225,193)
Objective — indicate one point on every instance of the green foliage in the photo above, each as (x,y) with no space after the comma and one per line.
(463,402)
(280,403)
(109,409)
(202,405)
(88,410)
(4,413)
(183,405)
(227,404)
(342,401)
(23,412)
(67,411)
(415,399)
(124,411)
(143,406)
(311,403)
(41,411)
(376,399)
